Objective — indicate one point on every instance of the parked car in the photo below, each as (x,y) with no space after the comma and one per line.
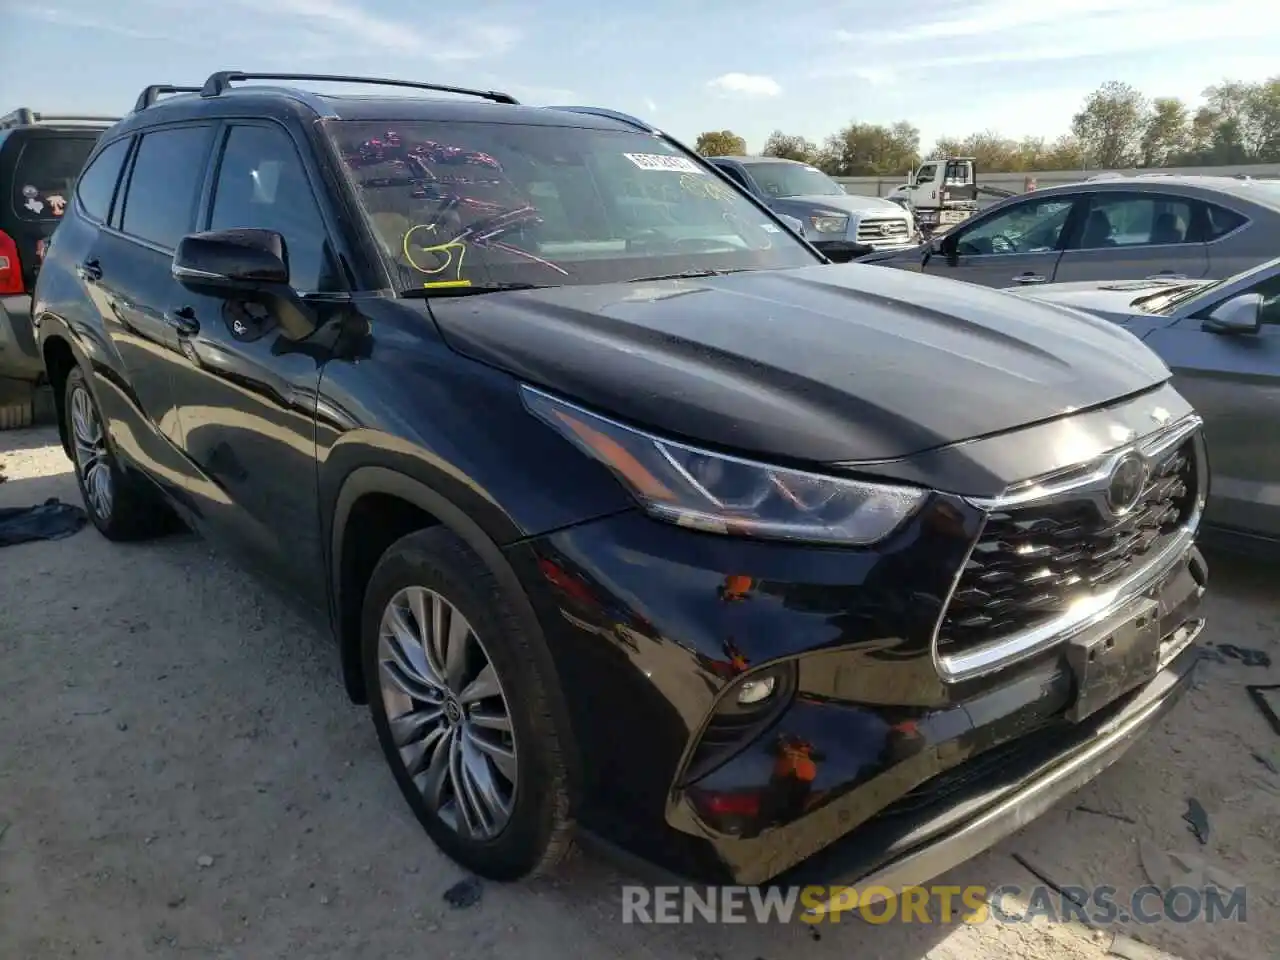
(662,531)
(40,155)
(842,225)
(1221,339)
(1120,228)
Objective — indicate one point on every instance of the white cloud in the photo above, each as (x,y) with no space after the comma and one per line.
(1011,31)
(746,85)
(650,105)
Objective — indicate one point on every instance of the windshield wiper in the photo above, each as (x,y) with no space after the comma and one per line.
(689,275)
(430,293)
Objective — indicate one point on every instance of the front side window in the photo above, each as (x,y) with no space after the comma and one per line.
(46,174)
(164,185)
(793,180)
(97,184)
(1031,227)
(926,174)
(1117,220)
(487,204)
(263,184)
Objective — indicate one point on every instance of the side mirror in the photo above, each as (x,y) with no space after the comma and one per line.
(794,223)
(1242,314)
(246,264)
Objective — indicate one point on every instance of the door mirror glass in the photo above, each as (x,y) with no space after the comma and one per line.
(1242,314)
(224,261)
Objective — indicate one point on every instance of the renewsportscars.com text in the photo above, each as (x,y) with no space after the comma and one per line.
(929,905)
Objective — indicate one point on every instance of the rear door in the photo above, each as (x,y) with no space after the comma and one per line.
(1131,236)
(129,270)
(38,171)
(1015,245)
(1233,381)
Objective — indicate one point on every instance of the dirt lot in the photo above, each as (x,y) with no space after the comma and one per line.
(181,776)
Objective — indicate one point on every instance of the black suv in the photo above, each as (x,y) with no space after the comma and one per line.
(630,514)
(40,156)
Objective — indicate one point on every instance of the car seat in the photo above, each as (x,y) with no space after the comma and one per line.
(1097,231)
(1168,229)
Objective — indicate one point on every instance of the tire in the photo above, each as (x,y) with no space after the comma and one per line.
(131,508)
(417,570)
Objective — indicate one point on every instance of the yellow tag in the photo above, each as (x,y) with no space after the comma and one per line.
(447,283)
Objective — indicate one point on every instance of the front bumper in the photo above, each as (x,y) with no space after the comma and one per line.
(19,357)
(651,624)
(927,845)
(842,251)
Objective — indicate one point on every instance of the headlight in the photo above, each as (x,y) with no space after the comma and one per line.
(829,223)
(722,494)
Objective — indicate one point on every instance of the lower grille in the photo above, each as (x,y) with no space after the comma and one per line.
(1034,560)
(881,229)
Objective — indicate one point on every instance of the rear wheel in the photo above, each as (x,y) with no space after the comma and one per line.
(462,709)
(122,505)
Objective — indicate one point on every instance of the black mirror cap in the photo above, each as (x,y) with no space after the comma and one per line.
(243,259)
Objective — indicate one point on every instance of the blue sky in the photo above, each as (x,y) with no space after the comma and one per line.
(951,67)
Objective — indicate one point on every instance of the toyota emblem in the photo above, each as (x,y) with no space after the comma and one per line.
(886,229)
(1128,480)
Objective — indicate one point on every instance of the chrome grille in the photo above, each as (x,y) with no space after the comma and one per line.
(882,230)
(1035,559)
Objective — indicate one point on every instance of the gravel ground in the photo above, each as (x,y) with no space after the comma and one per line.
(181,776)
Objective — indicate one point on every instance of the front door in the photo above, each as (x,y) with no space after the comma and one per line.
(1017,245)
(246,397)
(1233,381)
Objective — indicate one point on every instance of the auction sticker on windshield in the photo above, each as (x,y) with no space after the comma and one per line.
(658,161)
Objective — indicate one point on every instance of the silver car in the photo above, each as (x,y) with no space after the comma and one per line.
(1123,228)
(1222,341)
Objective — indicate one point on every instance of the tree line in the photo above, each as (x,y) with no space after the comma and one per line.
(1117,127)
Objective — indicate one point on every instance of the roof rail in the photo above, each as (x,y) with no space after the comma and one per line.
(26,117)
(220,82)
(151,94)
(612,115)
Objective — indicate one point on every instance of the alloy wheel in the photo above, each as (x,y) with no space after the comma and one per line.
(447,713)
(92,458)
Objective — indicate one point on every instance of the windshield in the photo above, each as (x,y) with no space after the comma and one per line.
(46,171)
(497,205)
(793,180)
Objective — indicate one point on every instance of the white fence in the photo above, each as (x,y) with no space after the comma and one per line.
(1017,182)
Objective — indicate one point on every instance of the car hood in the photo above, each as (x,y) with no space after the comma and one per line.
(848,203)
(1112,299)
(818,364)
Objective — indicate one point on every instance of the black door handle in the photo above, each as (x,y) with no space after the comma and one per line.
(91,270)
(184,321)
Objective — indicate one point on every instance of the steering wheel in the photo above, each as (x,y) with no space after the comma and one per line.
(1001,243)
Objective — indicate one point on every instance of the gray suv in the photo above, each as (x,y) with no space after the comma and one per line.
(1127,228)
(841,225)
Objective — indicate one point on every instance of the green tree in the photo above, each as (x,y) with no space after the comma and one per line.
(720,143)
(1065,153)
(1262,121)
(1111,124)
(871,149)
(790,147)
(1167,134)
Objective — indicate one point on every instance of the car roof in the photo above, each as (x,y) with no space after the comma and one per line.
(1159,183)
(264,99)
(757,159)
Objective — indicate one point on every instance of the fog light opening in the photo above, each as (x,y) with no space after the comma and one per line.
(756,691)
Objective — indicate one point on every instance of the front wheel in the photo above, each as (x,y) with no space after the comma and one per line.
(462,709)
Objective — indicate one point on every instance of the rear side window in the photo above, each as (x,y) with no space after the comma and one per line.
(1222,221)
(1131,220)
(98,183)
(46,174)
(165,184)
